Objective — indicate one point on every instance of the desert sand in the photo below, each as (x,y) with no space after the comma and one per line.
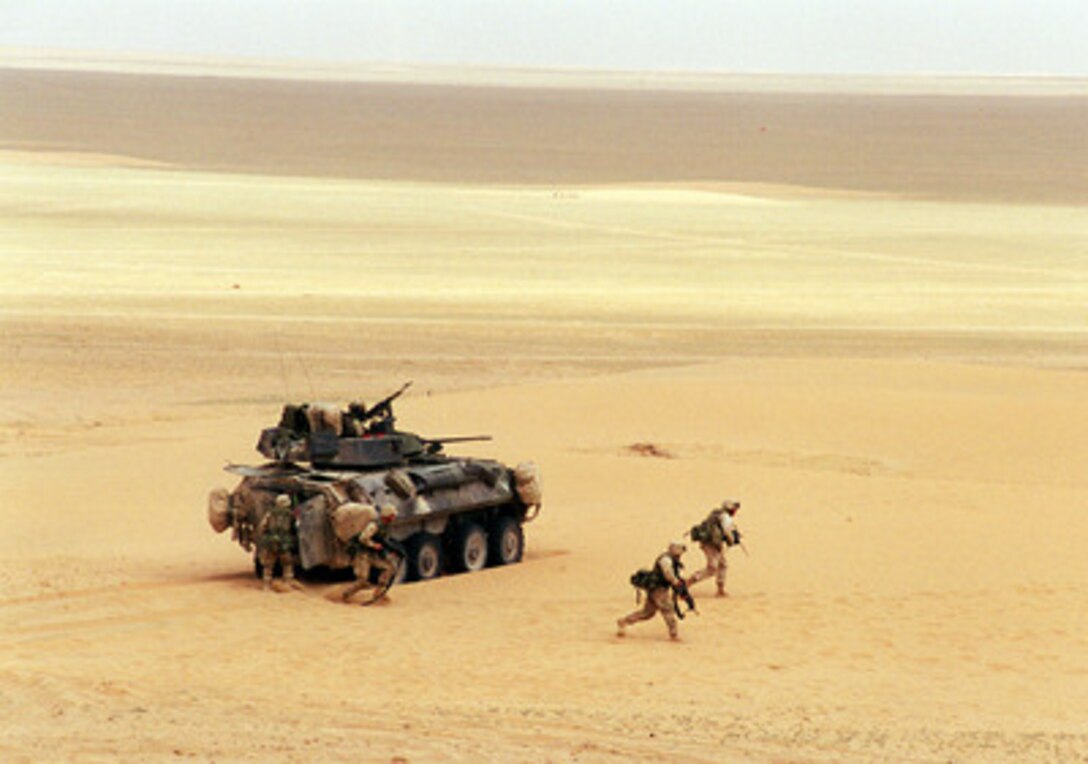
(862,314)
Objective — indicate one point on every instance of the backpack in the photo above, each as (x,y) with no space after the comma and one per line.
(702,532)
(645,578)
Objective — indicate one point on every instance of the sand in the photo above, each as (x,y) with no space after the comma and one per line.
(883,359)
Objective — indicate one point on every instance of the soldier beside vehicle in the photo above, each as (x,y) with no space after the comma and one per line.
(373,549)
(276,544)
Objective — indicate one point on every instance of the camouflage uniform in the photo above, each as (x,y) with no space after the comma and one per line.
(368,550)
(722,531)
(276,542)
(668,565)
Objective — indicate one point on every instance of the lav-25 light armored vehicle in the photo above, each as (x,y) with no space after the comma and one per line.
(453,513)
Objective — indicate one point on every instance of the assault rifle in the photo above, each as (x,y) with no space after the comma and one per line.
(680,592)
(738,542)
(391,544)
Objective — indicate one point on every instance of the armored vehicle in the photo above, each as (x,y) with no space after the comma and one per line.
(452,513)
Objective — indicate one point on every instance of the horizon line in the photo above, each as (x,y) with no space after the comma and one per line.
(497,75)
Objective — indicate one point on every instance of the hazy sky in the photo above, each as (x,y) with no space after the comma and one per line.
(819,36)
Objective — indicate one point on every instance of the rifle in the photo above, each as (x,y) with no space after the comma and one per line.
(680,592)
(738,542)
(395,547)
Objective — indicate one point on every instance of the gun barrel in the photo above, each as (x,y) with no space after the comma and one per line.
(457,439)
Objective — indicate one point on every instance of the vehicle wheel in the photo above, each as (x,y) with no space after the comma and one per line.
(424,557)
(507,541)
(471,548)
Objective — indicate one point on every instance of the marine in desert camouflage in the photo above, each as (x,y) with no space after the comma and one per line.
(372,548)
(713,534)
(659,582)
(276,543)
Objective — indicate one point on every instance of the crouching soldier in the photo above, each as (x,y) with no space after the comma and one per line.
(713,534)
(276,543)
(658,582)
(371,548)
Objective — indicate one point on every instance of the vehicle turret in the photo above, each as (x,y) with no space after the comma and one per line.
(323,435)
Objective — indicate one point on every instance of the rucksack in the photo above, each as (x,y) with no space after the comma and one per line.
(645,578)
(701,532)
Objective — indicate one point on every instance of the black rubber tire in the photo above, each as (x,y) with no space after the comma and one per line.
(507,542)
(424,557)
(471,549)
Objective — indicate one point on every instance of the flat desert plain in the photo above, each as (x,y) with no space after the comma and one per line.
(862,313)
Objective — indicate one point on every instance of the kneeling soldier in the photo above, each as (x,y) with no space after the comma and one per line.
(371,548)
(658,581)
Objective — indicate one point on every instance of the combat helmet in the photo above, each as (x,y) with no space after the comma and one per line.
(728,505)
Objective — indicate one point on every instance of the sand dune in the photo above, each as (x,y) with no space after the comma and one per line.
(1018,148)
(887,369)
